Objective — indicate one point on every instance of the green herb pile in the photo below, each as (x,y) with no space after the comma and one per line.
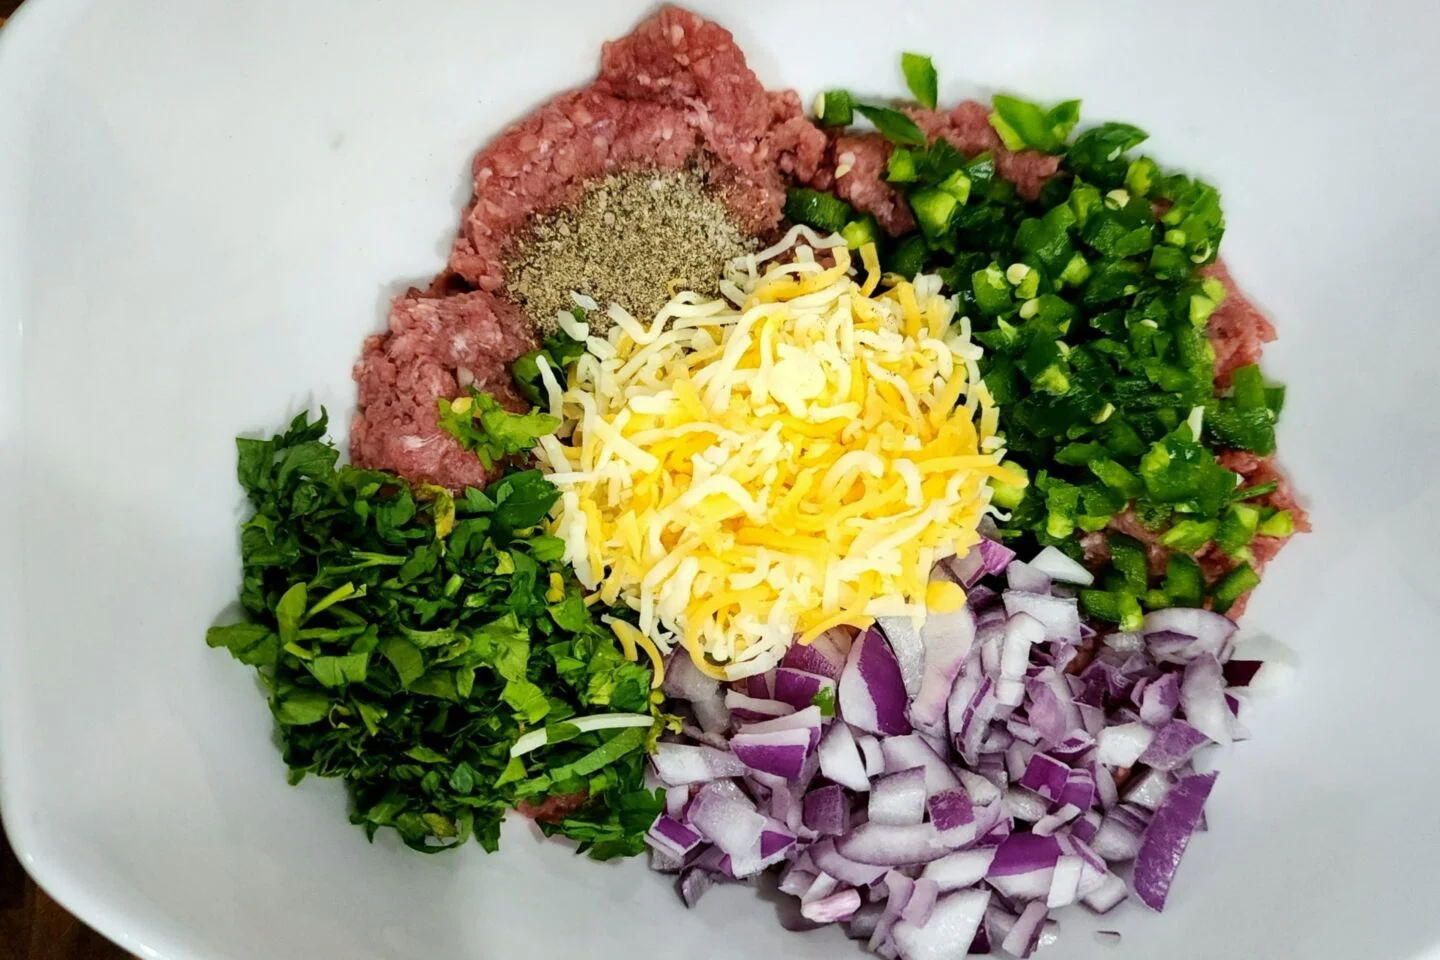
(407,640)
(1091,304)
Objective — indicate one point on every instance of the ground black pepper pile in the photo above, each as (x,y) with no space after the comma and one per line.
(633,239)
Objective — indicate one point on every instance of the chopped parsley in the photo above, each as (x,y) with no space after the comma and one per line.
(408,638)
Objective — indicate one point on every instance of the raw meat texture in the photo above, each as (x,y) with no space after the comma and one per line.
(968,129)
(432,345)
(1236,330)
(675,90)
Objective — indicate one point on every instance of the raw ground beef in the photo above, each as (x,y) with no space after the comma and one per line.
(434,346)
(675,91)
(1236,330)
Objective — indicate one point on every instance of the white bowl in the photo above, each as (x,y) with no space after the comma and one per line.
(203,208)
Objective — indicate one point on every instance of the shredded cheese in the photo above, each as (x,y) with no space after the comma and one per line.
(750,471)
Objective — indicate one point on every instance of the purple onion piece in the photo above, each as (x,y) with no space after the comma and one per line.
(899,798)
(1163,845)
(952,926)
(871,692)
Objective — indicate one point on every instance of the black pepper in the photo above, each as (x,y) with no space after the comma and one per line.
(632,239)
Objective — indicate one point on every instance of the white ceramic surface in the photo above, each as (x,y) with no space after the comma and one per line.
(203,208)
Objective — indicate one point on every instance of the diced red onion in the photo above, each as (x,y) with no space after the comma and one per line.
(1057,566)
(961,869)
(684,681)
(873,756)
(950,930)
(1024,805)
(909,648)
(1046,776)
(824,657)
(1050,823)
(837,906)
(863,923)
(898,798)
(1202,697)
(1065,884)
(827,810)
(1059,617)
(711,713)
(716,861)
(795,879)
(1116,840)
(979,596)
(995,556)
(1027,579)
(965,570)
(746,708)
(673,837)
(1022,631)
(1163,845)
(731,823)
(950,809)
(1045,712)
(1022,813)
(1079,790)
(1075,744)
(840,758)
(990,639)
(947,639)
(1173,746)
(774,842)
(1239,673)
(1159,700)
(1207,632)
(778,752)
(1125,642)
(891,845)
(1086,824)
(974,720)
(677,798)
(662,862)
(808,719)
(1023,937)
(982,790)
(799,687)
(907,752)
(1107,895)
(1024,865)
(828,859)
(693,884)
(871,693)
(921,902)
(1122,745)
(680,763)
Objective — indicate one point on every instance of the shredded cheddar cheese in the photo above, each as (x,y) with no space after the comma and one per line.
(751,471)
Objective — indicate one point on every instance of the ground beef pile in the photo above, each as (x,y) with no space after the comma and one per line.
(674,90)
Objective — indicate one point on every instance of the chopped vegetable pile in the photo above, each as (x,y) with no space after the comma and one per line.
(969,779)
(408,640)
(1091,302)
